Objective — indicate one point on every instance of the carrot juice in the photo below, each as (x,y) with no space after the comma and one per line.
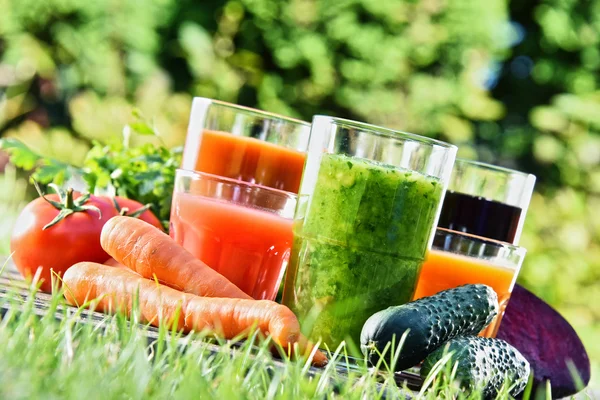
(445,270)
(235,234)
(247,159)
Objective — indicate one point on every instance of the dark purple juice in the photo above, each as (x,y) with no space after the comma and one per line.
(479,216)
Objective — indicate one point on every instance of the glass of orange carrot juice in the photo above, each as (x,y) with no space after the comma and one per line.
(246,144)
(458,258)
(242,230)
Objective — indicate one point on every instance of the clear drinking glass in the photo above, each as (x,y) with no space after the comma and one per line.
(241,230)
(486,200)
(369,201)
(246,144)
(458,258)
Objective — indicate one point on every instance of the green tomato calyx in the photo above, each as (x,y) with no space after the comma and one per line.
(66,205)
(124,211)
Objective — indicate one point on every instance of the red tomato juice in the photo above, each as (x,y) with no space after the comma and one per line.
(247,245)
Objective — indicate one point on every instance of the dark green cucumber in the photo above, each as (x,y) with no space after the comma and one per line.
(431,321)
(483,364)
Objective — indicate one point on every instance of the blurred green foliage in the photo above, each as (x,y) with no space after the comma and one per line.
(513,83)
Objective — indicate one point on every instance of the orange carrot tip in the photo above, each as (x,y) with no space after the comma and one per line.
(308,349)
(304,349)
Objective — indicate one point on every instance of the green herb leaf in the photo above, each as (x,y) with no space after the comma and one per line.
(45,170)
(51,173)
(20,155)
(142,125)
(145,174)
(142,128)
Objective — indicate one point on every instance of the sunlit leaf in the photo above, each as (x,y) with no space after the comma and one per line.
(20,155)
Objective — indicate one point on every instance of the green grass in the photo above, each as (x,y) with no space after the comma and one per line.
(50,358)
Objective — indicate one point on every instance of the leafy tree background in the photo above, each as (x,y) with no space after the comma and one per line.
(514,83)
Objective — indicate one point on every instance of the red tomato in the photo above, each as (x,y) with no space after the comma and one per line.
(73,239)
(131,207)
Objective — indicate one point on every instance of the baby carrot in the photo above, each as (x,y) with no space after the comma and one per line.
(154,255)
(115,288)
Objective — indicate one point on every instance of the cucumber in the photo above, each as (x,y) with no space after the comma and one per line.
(431,321)
(483,364)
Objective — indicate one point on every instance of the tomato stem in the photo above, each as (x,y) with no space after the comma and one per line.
(137,213)
(124,211)
(66,205)
(70,204)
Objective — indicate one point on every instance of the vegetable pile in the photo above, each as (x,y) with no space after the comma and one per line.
(70,234)
(73,234)
(110,246)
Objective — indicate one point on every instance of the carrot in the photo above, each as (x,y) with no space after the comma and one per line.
(111,262)
(154,255)
(115,288)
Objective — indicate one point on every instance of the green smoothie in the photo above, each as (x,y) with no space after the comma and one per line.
(358,245)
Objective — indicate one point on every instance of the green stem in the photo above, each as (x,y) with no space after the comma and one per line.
(69,202)
(64,213)
(138,212)
(55,204)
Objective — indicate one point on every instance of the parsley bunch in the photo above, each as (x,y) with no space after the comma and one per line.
(145,174)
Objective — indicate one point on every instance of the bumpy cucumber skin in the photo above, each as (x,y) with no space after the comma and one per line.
(483,364)
(431,322)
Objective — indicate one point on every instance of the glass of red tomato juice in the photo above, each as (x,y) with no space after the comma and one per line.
(241,230)
(246,144)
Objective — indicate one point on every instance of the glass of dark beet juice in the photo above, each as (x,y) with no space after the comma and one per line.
(487,201)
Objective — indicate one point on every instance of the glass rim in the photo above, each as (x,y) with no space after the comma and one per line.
(386,132)
(250,110)
(493,168)
(218,178)
(521,251)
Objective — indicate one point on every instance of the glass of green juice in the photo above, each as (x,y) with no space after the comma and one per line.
(368,205)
